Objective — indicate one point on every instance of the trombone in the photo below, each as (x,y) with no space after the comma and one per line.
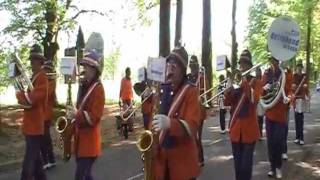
(226,80)
(130,111)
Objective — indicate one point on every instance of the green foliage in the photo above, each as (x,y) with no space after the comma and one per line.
(143,6)
(110,64)
(263,12)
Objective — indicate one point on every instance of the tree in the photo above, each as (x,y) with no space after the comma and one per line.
(177,40)
(164,28)
(43,20)
(110,64)
(304,12)
(234,44)
(206,42)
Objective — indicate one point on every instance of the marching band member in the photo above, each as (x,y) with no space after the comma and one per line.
(260,110)
(244,130)
(222,108)
(33,118)
(47,149)
(126,95)
(177,158)
(197,78)
(90,105)
(300,88)
(276,117)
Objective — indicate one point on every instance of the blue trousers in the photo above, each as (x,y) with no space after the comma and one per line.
(84,166)
(260,122)
(275,140)
(32,162)
(223,119)
(46,148)
(286,129)
(299,120)
(243,160)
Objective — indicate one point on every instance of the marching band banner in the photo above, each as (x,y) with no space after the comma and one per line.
(284,38)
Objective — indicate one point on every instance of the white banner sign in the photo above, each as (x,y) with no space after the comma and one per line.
(142,74)
(284,38)
(68,65)
(221,62)
(156,70)
(11,69)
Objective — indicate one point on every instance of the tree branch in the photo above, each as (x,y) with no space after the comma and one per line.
(87,11)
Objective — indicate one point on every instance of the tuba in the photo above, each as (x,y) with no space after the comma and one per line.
(65,126)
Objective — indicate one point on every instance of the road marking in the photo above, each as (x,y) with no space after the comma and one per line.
(134,177)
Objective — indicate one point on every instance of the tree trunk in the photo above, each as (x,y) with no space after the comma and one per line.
(177,41)
(206,43)
(308,45)
(49,42)
(234,44)
(164,28)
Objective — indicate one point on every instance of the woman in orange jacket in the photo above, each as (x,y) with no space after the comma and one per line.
(90,106)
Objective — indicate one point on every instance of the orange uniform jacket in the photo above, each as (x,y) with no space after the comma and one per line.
(50,101)
(126,89)
(182,158)
(244,128)
(278,112)
(33,118)
(88,137)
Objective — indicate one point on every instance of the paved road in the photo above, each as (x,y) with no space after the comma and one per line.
(123,162)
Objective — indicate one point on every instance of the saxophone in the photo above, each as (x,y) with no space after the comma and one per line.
(65,126)
(148,141)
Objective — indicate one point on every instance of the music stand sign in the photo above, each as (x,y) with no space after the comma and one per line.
(68,67)
(142,74)
(284,38)
(222,63)
(156,70)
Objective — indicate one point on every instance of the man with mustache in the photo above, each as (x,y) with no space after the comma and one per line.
(177,158)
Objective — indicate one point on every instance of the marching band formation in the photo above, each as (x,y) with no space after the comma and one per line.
(173,116)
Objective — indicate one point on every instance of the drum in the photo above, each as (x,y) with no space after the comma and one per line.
(300,106)
(221,102)
(260,110)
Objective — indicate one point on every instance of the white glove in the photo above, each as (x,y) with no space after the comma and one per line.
(266,87)
(160,122)
(286,100)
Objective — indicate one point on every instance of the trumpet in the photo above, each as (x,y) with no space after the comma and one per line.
(130,111)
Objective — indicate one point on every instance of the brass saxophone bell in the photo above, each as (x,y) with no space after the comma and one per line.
(145,141)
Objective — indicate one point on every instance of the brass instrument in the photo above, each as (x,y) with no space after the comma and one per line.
(19,75)
(65,126)
(130,111)
(237,76)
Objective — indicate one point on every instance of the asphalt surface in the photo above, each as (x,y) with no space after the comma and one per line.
(123,162)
